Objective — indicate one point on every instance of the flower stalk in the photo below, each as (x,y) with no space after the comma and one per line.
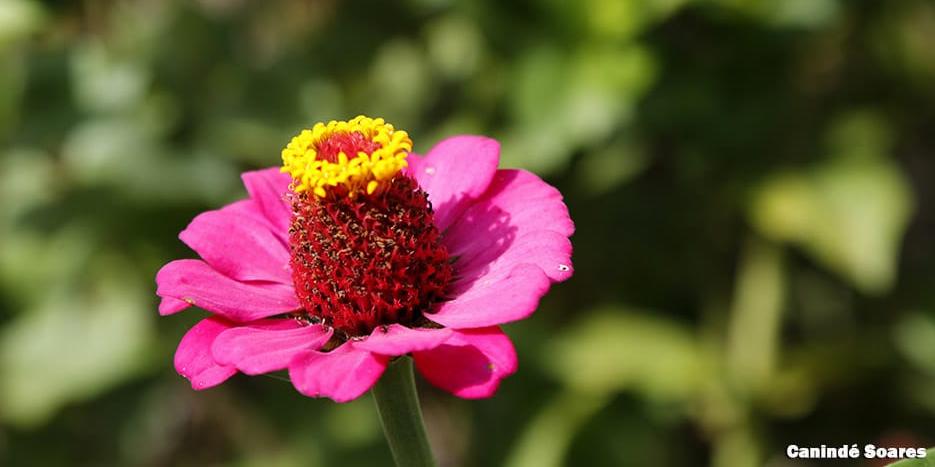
(398,405)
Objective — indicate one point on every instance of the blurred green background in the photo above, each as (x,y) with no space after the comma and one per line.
(752,183)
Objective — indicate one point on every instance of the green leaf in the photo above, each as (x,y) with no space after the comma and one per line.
(455,46)
(18,18)
(548,436)
(810,14)
(400,81)
(849,214)
(73,345)
(565,101)
(104,83)
(927,461)
(25,175)
(914,336)
(607,353)
(123,153)
(602,170)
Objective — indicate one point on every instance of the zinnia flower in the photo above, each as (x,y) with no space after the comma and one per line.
(357,251)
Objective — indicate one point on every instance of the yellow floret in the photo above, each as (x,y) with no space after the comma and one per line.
(361,172)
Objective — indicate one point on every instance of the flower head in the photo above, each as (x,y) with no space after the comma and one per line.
(357,251)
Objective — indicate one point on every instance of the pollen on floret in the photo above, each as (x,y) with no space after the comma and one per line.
(346,158)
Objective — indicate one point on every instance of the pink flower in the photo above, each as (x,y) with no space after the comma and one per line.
(340,267)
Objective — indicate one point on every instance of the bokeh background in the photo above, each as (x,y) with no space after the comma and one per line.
(752,182)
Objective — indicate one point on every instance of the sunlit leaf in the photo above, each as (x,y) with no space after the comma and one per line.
(34,266)
(399,81)
(12,84)
(562,102)
(18,18)
(107,83)
(354,424)
(610,166)
(756,315)
(788,13)
(123,153)
(849,212)
(914,336)
(549,435)
(927,461)
(455,46)
(26,175)
(608,352)
(73,346)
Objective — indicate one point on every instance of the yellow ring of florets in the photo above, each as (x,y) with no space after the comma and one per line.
(358,172)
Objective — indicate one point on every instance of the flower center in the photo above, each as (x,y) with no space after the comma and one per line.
(330,148)
(345,158)
(362,257)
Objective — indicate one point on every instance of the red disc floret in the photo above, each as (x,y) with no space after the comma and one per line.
(368,261)
(350,143)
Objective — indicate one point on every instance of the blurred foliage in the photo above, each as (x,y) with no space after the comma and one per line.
(752,183)
(928,461)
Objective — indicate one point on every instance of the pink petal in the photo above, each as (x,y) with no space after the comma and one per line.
(413,159)
(250,208)
(519,219)
(471,364)
(169,305)
(343,374)
(400,340)
(547,249)
(510,244)
(267,345)
(268,188)
(454,173)
(193,358)
(196,283)
(498,297)
(239,245)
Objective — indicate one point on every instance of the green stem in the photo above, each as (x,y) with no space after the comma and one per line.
(756,316)
(401,416)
